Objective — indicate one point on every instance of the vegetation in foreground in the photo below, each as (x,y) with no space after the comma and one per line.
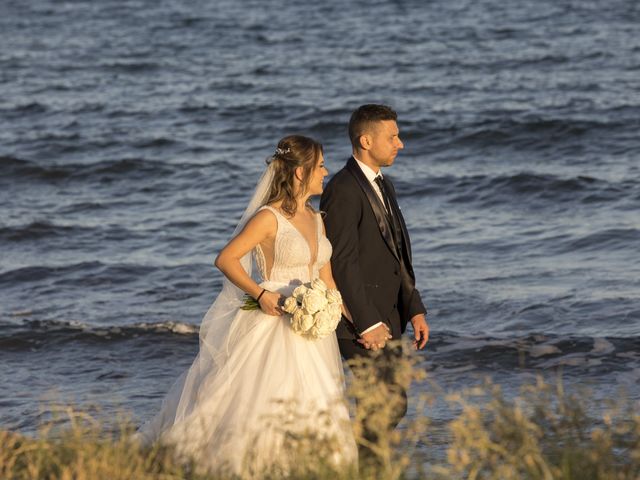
(542,434)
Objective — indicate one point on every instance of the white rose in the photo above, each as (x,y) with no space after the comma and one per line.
(299,292)
(334,296)
(319,285)
(324,324)
(296,319)
(314,332)
(313,301)
(335,311)
(306,322)
(290,305)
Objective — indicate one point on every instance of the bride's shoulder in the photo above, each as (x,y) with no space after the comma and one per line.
(266,212)
(271,210)
(264,219)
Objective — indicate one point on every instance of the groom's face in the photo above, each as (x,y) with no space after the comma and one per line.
(385,142)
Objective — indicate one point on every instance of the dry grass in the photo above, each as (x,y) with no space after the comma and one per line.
(542,434)
(82,450)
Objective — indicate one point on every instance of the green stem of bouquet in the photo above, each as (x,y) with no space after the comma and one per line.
(250,303)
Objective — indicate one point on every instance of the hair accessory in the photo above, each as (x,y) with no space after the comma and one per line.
(282,151)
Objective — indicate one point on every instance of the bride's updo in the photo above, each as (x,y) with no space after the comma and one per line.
(292,152)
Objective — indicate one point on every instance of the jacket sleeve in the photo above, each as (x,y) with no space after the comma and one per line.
(343,207)
(416,306)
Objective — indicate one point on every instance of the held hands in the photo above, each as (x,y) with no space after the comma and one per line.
(421,331)
(270,303)
(376,338)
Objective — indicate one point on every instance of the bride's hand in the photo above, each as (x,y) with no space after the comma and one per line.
(270,303)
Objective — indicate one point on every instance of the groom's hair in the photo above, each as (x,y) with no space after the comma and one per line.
(366,115)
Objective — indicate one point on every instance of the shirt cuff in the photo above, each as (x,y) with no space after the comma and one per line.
(372,327)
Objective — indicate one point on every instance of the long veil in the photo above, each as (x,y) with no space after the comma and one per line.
(216,331)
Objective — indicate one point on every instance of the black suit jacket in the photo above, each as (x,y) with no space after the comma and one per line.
(376,281)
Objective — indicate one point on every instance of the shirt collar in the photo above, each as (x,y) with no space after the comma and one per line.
(368,171)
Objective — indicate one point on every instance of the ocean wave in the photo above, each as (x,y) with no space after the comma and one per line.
(30,334)
(130,165)
(31,108)
(528,132)
(15,168)
(87,274)
(576,126)
(489,190)
(609,239)
(156,142)
(131,168)
(521,131)
(446,352)
(33,273)
(38,230)
(88,206)
(130,67)
(533,351)
(73,236)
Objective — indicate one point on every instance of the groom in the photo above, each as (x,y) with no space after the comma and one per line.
(371,259)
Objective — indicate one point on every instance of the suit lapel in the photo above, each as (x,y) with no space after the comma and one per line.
(377,207)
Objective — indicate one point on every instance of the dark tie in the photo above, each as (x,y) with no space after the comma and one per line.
(393,221)
(385,197)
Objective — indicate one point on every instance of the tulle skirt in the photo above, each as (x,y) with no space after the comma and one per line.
(274,389)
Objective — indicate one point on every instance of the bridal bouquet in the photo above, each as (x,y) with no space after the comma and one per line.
(315,309)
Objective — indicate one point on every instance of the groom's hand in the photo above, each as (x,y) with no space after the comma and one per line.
(375,339)
(420,331)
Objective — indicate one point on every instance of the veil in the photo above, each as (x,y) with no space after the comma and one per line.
(216,323)
(216,329)
(216,332)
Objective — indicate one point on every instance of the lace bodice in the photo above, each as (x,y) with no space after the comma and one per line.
(292,253)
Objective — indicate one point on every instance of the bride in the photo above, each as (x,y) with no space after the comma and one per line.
(228,410)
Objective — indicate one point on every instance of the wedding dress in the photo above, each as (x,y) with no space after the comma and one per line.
(235,409)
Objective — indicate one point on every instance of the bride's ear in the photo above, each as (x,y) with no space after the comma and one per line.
(299,171)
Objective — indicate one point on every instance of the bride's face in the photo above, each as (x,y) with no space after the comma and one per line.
(316,179)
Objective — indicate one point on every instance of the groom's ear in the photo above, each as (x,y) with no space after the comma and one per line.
(365,141)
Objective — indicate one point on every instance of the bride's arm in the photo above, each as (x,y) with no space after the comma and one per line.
(326,275)
(261,227)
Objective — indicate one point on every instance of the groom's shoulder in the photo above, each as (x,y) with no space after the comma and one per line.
(341,177)
(341,188)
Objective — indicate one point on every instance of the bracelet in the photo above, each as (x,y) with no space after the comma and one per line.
(261,293)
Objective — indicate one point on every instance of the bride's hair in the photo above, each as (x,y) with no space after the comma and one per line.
(292,152)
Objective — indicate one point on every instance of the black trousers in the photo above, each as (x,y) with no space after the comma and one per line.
(351,349)
(384,361)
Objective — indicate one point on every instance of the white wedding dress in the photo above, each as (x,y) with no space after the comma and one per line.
(234,412)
